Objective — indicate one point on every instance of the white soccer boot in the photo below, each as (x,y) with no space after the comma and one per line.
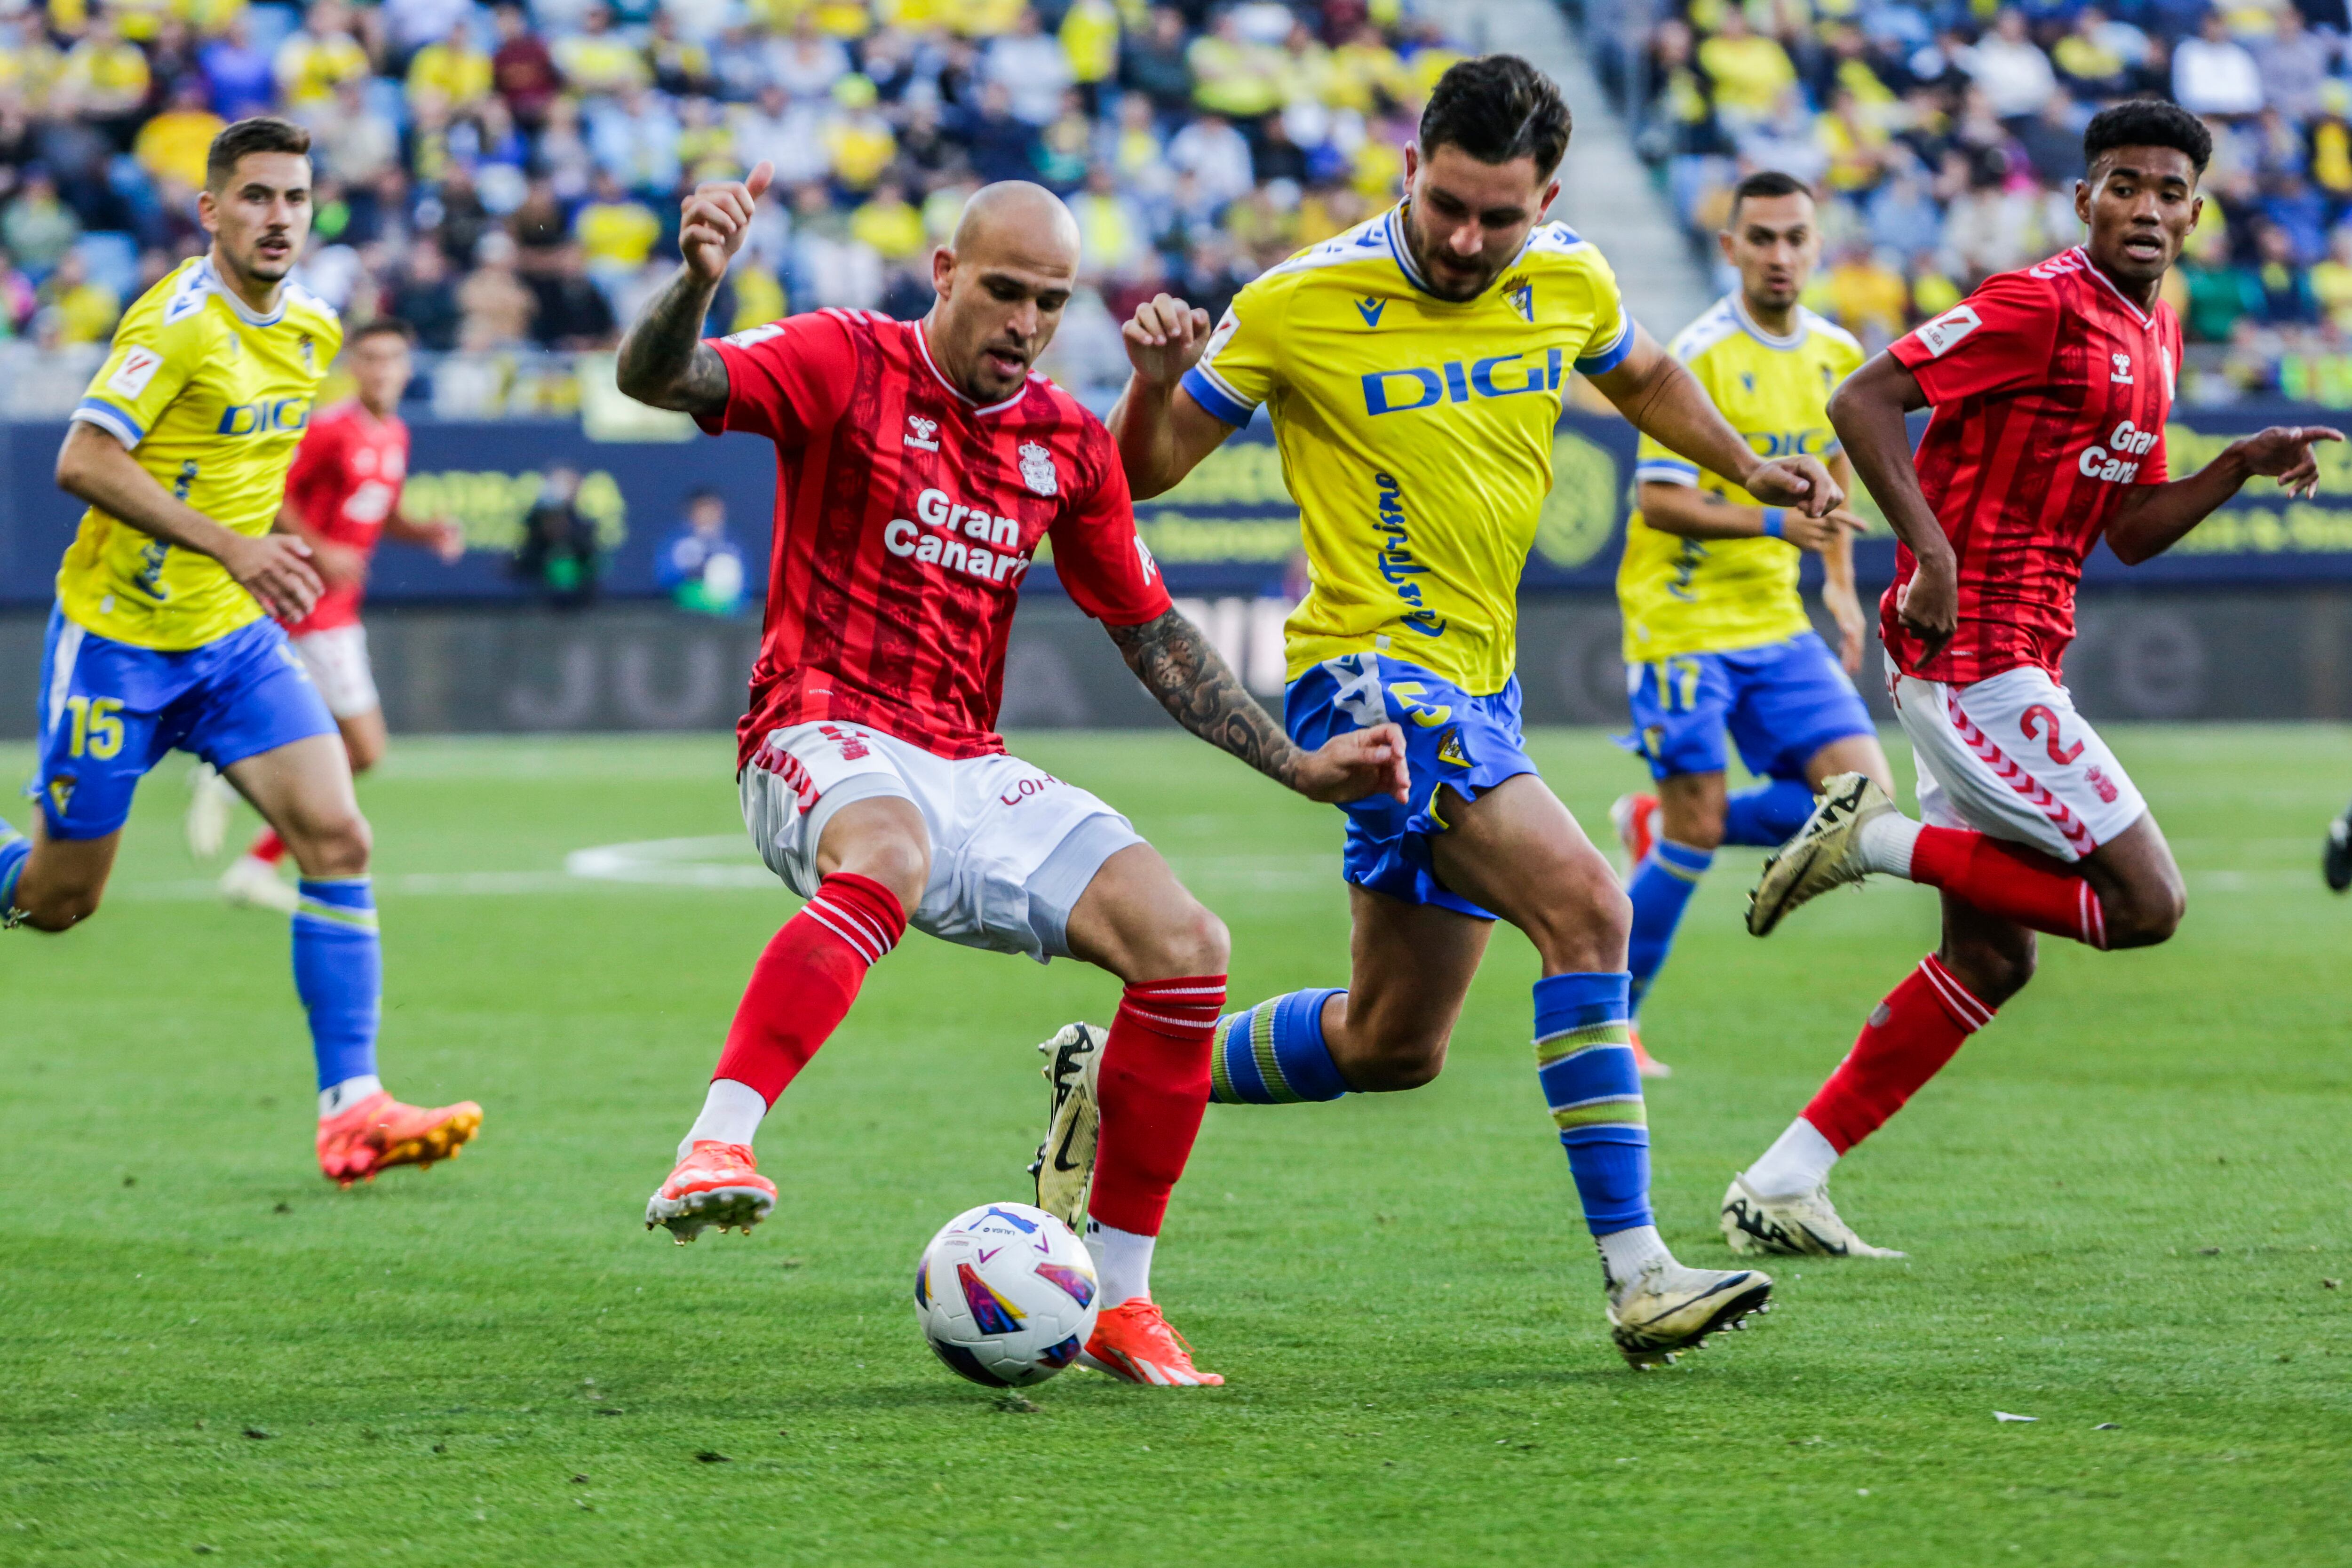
(210,798)
(1668,1308)
(1806,1225)
(1065,1166)
(255,884)
(1826,853)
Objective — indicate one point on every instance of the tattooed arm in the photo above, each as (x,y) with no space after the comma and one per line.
(664,361)
(1179,666)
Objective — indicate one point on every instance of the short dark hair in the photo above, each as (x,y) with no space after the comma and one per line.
(2147,122)
(261,133)
(1766,183)
(1497,108)
(383,327)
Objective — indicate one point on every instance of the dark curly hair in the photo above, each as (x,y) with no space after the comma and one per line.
(1497,108)
(2147,122)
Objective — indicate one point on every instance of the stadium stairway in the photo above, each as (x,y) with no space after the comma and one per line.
(1605,193)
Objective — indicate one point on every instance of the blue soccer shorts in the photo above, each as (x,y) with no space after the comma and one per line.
(1778,704)
(1451,738)
(110,711)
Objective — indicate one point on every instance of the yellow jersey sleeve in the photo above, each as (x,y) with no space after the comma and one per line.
(1612,337)
(1238,369)
(153,360)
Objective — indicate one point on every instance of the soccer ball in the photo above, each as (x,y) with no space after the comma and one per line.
(1005,1295)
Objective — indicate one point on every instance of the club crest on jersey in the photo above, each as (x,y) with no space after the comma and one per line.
(922,433)
(1037,469)
(1449,749)
(61,794)
(1521,292)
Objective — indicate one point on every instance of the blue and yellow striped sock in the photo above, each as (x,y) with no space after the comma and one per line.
(1273,1053)
(1585,1062)
(15,850)
(1661,885)
(338,974)
(1768,816)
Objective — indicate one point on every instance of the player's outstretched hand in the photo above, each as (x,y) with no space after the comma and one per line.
(1356,765)
(716,217)
(1164,337)
(2283,452)
(276,570)
(1799,482)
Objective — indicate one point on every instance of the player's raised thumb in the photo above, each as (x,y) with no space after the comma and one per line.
(762,174)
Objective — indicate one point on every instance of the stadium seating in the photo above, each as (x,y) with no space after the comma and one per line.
(1947,137)
(507,179)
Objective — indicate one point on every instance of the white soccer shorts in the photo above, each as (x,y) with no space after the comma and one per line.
(337,659)
(2009,756)
(1013,847)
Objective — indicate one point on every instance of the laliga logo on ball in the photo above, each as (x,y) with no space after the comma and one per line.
(1005,1295)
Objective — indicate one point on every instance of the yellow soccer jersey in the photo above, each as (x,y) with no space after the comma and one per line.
(212,400)
(1710,595)
(1415,432)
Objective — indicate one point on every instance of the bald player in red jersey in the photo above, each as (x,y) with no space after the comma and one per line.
(342,498)
(921,467)
(2050,388)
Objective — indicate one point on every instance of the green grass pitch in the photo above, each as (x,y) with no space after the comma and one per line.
(2125,1203)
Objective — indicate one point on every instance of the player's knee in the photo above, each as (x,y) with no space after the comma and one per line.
(1586,926)
(365,750)
(335,846)
(1193,941)
(2147,916)
(1400,1060)
(899,861)
(61,909)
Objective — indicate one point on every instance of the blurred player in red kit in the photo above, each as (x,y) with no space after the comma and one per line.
(921,466)
(2050,388)
(343,495)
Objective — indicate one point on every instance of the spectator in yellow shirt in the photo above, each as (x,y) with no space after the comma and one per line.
(858,141)
(172,146)
(452,69)
(598,60)
(1866,296)
(85,310)
(1750,70)
(615,232)
(1090,42)
(2331,280)
(889,224)
(1233,75)
(1364,72)
(759,297)
(311,63)
(103,76)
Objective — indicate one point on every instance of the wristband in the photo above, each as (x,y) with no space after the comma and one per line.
(1775,519)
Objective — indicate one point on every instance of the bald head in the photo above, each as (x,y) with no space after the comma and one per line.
(1002,283)
(1013,218)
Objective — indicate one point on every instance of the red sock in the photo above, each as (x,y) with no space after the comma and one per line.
(1909,1037)
(268,848)
(2012,881)
(1154,1087)
(803,984)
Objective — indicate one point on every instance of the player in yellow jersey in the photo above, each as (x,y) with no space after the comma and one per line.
(162,637)
(1413,367)
(1717,638)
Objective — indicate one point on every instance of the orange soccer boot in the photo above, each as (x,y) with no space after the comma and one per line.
(1133,1342)
(380,1131)
(1635,818)
(715,1183)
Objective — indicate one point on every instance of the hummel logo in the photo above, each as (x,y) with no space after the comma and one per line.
(921,433)
(2122,375)
(1371,310)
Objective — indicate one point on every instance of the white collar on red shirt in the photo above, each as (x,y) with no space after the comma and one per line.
(2091,268)
(923,346)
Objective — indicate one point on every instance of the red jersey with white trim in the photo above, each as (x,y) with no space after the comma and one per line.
(344,483)
(905,518)
(2050,390)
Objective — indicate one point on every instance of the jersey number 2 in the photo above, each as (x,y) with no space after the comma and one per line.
(2040,713)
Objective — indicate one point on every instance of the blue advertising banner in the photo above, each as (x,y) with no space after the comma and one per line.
(1229,527)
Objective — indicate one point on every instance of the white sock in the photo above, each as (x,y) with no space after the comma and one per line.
(1625,1253)
(342,1096)
(1798,1162)
(731,1113)
(1122,1261)
(1886,843)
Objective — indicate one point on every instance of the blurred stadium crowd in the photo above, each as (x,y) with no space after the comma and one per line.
(506,177)
(1947,138)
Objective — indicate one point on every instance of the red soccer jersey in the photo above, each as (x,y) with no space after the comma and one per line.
(905,518)
(345,482)
(2049,392)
